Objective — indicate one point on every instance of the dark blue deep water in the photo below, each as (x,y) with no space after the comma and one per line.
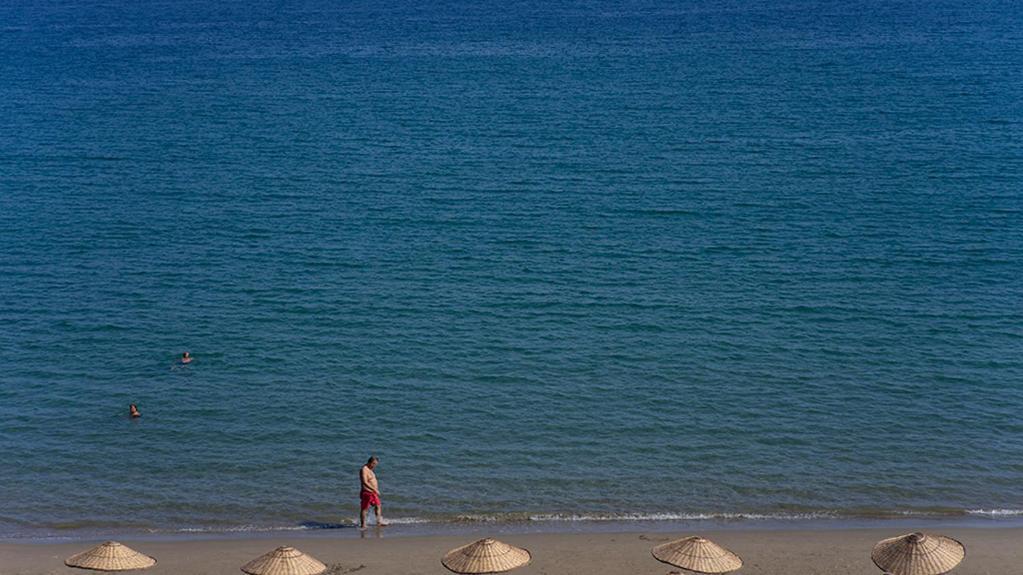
(588,259)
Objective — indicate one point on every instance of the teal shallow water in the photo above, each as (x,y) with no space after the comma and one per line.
(589,261)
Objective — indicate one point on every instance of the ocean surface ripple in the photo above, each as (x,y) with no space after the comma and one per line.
(590,260)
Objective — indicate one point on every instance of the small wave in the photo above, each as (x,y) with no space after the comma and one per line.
(882,514)
(487,518)
(996,512)
(631,517)
(306,526)
(240,529)
(679,516)
(546,518)
(406,520)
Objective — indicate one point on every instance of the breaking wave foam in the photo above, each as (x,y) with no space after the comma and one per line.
(996,512)
(616,518)
(995,515)
(629,517)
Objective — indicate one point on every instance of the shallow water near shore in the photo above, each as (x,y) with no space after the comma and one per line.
(597,262)
(421,529)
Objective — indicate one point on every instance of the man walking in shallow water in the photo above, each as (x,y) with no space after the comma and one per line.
(369,493)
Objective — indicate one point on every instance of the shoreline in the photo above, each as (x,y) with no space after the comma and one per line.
(405,528)
(768,552)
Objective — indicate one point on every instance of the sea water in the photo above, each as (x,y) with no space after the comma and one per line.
(573,260)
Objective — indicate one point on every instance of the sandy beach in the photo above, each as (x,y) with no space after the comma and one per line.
(831,552)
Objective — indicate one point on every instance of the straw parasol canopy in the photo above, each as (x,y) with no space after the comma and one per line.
(485,556)
(697,554)
(110,556)
(284,561)
(918,554)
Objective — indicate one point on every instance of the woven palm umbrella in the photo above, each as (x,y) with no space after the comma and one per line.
(697,554)
(918,554)
(110,556)
(284,561)
(485,556)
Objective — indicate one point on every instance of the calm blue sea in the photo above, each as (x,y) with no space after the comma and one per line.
(572,260)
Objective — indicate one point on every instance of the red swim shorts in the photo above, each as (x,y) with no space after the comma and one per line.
(369,499)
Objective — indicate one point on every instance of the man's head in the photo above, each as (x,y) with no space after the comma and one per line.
(372,462)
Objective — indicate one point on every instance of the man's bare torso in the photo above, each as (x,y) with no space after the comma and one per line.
(369,480)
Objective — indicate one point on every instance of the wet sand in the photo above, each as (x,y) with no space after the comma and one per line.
(831,552)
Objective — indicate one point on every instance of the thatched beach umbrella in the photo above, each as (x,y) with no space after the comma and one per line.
(110,556)
(697,554)
(284,561)
(918,554)
(485,556)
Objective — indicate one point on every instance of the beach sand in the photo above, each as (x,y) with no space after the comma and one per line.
(831,552)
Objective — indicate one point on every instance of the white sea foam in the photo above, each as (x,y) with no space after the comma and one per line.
(406,520)
(239,529)
(996,512)
(630,517)
(677,516)
(301,527)
(588,517)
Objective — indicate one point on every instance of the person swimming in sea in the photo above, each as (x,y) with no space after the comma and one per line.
(133,411)
(186,358)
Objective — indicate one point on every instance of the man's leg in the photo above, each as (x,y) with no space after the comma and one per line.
(362,517)
(380,516)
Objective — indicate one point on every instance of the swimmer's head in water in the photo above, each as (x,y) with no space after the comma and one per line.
(184,355)
(134,411)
